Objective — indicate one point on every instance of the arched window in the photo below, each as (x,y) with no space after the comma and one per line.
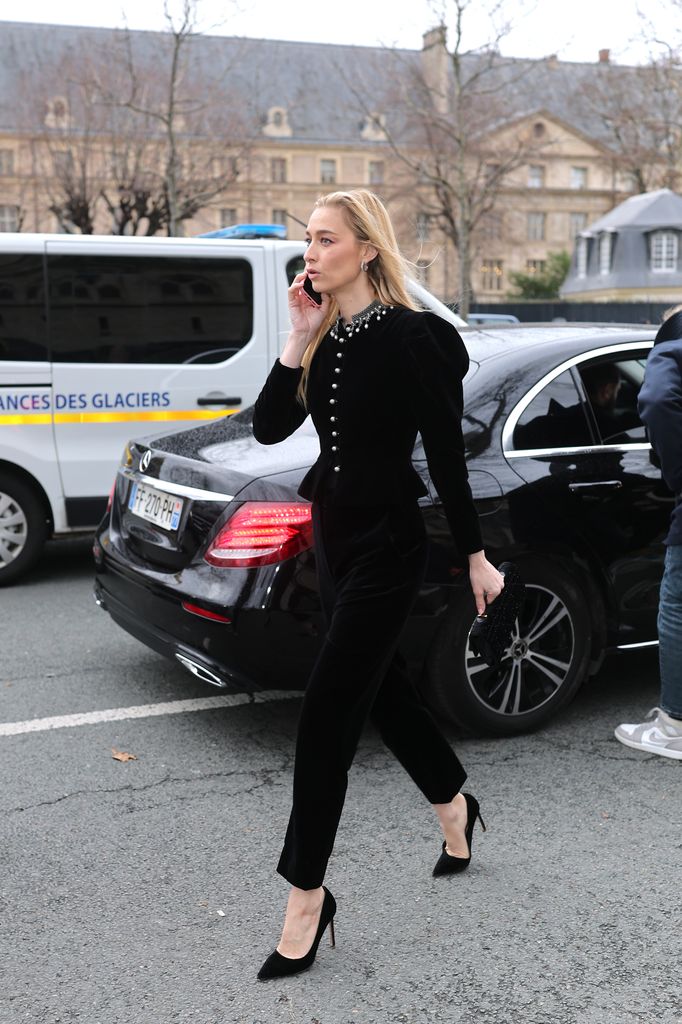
(664,248)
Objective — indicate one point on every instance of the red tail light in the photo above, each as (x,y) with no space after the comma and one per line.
(261,533)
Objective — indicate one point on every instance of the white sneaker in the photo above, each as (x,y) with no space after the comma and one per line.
(660,734)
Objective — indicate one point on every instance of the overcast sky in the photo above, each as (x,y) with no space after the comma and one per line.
(576,30)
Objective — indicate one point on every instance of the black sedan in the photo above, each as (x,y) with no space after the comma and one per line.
(207,556)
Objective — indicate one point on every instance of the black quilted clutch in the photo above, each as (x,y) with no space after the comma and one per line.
(491,633)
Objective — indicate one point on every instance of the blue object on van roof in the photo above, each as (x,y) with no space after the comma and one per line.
(249,231)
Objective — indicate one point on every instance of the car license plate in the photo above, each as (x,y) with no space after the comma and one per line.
(156,507)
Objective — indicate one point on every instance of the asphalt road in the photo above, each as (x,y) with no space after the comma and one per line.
(144,891)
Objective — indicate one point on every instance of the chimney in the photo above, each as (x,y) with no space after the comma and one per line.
(434,61)
(604,56)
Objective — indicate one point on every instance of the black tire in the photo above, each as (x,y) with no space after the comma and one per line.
(24,527)
(539,675)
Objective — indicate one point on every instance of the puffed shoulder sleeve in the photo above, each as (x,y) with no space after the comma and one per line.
(436,362)
(278,412)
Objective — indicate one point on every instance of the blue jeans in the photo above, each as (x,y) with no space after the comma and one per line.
(670,632)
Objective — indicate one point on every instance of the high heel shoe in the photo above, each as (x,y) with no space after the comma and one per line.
(446,863)
(278,966)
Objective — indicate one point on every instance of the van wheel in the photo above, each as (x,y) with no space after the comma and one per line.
(540,672)
(24,528)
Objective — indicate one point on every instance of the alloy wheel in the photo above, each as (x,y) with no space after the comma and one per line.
(536,663)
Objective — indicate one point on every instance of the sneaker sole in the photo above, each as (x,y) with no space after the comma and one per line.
(650,748)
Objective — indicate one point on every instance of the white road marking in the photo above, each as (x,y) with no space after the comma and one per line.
(174,707)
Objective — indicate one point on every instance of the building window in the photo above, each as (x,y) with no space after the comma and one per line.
(578,177)
(605,253)
(536,227)
(62,161)
(581,257)
(538,129)
(328,172)
(664,246)
(578,223)
(423,227)
(279,216)
(228,217)
(9,218)
(491,275)
(535,266)
(376,172)
(491,226)
(278,170)
(536,176)
(6,161)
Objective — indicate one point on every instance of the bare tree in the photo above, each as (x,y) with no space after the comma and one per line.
(451,132)
(142,130)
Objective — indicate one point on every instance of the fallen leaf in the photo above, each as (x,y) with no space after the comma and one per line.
(220,913)
(120,755)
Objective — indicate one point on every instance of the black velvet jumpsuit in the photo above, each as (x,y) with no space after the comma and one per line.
(370,390)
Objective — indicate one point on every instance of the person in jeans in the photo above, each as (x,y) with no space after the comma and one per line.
(660,406)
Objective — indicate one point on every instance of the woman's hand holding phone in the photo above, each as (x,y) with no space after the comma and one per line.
(306,319)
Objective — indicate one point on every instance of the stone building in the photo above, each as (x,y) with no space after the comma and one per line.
(300,125)
(631,254)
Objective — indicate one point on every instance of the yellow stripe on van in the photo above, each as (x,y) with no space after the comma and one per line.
(138,416)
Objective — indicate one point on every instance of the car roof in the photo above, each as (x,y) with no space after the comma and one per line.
(525,342)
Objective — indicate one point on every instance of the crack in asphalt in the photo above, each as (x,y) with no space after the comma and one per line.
(131,788)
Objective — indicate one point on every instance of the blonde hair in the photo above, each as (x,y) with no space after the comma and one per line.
(368,219)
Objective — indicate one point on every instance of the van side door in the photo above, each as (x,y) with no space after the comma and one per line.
(147,337)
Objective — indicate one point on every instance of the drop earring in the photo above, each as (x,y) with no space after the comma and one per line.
(364,266)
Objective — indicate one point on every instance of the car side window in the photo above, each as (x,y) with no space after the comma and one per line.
(611,389)
(555,418)
(296,265)
(23,330)
(148,309)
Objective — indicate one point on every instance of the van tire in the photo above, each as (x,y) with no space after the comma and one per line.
(24,527)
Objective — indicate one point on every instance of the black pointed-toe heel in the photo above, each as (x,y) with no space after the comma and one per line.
(278,966)
(448,865)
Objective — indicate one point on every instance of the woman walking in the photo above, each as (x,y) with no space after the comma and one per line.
(372,371)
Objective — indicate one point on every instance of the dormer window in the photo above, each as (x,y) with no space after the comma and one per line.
(373,128)
(664,248)
(581,257)
(57,112)
(277,123)
(605,253)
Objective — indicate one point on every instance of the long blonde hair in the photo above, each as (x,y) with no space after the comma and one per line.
(369,221)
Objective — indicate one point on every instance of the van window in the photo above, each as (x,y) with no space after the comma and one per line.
(22,308)
(130,309)
(296,265)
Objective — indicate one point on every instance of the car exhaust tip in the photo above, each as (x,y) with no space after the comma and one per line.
(201,671)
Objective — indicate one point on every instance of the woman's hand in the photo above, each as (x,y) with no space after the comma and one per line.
(306,319)
(486,582)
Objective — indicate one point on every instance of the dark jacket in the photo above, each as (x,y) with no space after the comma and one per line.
(660,406)
(368,396)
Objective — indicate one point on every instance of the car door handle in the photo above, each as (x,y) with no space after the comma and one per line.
(593,484)
(218,399)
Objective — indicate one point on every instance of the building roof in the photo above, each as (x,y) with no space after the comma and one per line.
(317,83)
(628,228)
(645,212)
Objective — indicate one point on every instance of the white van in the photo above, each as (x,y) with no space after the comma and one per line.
(102,336)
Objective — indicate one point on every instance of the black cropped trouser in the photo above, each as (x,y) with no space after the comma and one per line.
(371,563)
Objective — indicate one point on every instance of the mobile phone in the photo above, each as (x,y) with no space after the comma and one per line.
(314,296)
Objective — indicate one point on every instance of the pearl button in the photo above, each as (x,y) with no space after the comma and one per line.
(335,448)
(332,419)
(335,433)
(335,386)
(337,468)
(332,401)
(339,355)
(337,369)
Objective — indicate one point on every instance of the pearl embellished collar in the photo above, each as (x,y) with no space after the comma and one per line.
(375,311)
